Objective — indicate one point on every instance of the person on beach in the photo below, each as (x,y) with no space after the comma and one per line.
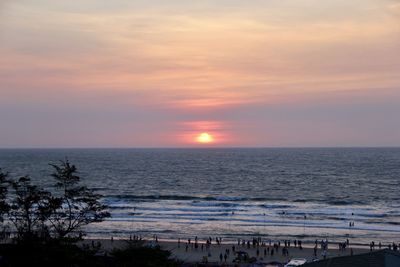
(287,252)
(220,257)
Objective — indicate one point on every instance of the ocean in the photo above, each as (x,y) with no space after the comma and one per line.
(274,193)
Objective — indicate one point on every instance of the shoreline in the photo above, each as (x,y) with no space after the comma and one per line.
(231,241)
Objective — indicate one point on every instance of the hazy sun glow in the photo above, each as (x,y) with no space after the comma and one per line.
(204,138)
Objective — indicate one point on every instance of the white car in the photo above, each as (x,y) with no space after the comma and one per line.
(296,262)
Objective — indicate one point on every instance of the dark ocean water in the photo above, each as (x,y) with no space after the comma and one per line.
(292,193)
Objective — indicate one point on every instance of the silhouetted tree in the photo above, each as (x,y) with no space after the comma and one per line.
(76,206)
(29,209)
(4,207)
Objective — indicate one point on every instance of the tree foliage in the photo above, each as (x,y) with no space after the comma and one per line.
(4,207)
(35,213)
(77,206)
(29,209)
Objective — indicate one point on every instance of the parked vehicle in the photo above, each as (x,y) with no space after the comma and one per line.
(241,256)
(296,262)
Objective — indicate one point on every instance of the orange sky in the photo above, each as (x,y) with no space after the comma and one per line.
(156,74)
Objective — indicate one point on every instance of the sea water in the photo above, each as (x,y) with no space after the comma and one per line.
(275,193)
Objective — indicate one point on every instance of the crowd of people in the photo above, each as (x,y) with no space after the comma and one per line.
(262,248)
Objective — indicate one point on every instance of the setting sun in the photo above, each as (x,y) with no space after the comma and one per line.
(204,138)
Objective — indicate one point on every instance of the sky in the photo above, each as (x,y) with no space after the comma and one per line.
(260,73)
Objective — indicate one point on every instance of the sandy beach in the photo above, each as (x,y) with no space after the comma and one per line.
(212,255)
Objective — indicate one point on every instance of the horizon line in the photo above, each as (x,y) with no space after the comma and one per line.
(200,147)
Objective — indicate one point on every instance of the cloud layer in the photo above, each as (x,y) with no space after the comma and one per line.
(260,73)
